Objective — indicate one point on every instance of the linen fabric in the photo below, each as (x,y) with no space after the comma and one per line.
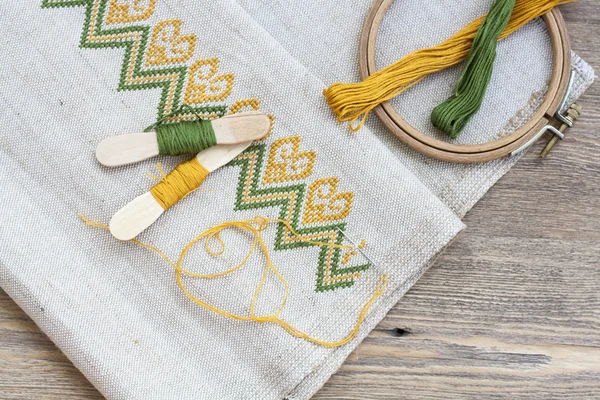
(114,308)
(325,37)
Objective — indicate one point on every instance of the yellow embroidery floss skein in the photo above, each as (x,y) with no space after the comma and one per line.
(353,102)
(184,179)
(255,227)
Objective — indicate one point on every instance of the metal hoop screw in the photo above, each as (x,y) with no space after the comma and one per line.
(573,113)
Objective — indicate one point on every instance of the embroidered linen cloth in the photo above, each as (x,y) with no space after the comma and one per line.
(77,71)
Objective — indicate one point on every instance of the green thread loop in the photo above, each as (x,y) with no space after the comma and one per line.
(467,96)
(184,137)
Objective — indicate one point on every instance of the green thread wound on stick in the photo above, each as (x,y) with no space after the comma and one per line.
(453,115)
(186,137)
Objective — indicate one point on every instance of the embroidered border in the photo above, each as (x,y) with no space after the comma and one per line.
(146,54)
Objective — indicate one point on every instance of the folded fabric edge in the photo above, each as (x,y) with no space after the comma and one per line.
(584,78)
(321,374)
(28,298)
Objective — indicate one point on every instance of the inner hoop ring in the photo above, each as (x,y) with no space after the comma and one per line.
(470,153)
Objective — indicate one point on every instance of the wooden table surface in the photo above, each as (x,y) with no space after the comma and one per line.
(511,310)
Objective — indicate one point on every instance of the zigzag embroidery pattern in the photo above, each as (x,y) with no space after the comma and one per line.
(254,191)
(134,39)
(250,195)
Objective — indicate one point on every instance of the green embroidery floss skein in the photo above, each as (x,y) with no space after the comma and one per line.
(186,137)
(183,137)
(453,115)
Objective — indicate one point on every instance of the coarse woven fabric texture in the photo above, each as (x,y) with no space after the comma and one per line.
(325,37)
(77,71)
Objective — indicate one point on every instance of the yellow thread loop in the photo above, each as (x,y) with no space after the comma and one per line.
(184,179)
(255,227)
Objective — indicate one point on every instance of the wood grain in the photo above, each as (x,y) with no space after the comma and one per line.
(511,310)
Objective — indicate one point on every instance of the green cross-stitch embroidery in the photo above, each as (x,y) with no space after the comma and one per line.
(134,39)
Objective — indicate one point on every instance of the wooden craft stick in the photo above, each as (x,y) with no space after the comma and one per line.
(140,213)
(131,148)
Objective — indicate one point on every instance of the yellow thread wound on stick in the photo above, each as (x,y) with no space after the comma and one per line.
(354,101)
(185,178)
(255,227)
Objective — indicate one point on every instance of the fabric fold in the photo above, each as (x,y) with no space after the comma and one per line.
(115,308)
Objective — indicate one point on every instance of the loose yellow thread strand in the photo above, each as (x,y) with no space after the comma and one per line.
(354,102)
(255,227)
(161,171)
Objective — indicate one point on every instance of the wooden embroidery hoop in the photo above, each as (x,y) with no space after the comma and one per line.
(472,153)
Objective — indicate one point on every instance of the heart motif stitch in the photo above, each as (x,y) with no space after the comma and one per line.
(167,46)
(205,85)
(244,105)
(287,163)
(125,11)
(325,204)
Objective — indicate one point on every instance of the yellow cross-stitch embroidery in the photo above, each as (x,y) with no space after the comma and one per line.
(204,85)
(325,204)
(286,163)
(168,46)
(123,11)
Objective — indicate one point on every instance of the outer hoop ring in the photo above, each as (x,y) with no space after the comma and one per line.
(471,153)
